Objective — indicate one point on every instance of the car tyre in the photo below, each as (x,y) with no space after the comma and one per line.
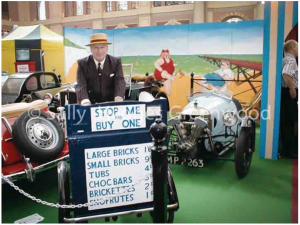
(244,150)
(38,136)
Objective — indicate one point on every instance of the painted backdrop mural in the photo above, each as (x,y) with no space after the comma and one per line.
(194,48)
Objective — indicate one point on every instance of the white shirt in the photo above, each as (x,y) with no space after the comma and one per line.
(102,63)
(290,68)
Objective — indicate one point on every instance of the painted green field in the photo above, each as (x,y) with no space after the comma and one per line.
(69,43)
(252,58)
(185,63)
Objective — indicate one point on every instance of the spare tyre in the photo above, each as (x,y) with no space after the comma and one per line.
(38,136)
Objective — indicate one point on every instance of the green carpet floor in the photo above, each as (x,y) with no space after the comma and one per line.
(213,194)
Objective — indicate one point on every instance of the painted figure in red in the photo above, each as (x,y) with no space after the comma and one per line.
(164,69)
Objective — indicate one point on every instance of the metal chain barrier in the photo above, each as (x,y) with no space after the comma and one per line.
(71,206)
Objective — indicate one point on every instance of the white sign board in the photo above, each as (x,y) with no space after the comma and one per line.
(23,68)
(153,111)
(118,117)
(33,219)
(115,172)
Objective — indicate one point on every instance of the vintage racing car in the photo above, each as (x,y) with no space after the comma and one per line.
(208,127)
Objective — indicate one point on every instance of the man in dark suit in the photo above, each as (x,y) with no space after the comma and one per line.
(99,76)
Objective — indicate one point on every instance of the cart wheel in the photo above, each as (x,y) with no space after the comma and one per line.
(107,219)
(115,218)
(64,190)
(244,150)
(83,221)
(172,195)
(170,215)
(139,215)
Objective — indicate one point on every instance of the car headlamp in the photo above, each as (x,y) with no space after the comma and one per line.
(48,98)
(229,119)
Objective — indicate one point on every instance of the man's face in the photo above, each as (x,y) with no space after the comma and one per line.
(99,51)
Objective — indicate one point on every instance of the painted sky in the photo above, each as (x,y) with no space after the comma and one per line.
(244,37)
(78,36)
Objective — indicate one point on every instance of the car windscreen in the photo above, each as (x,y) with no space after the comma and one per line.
(12,86)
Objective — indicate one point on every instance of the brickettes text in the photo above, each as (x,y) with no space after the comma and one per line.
(111,170)
(118,117)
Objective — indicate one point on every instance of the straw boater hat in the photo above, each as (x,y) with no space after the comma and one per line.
(100,38)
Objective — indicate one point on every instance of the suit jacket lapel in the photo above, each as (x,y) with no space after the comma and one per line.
(106,66)
(92,65)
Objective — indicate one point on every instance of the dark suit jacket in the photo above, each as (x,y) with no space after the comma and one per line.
(100,88)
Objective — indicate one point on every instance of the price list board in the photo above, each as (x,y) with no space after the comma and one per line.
(110,156)
(120,175)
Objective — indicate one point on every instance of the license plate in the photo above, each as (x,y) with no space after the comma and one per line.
(197,163)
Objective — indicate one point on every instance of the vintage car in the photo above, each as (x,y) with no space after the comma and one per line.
(29,87)
(32,140)
(208,127)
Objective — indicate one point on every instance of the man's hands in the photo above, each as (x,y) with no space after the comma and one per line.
(85,102)
(293,93)
(118,99)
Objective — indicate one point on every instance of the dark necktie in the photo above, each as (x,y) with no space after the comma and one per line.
(99,69)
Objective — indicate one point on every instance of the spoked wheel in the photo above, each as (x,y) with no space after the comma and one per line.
(244,150)
(38,136)
(64,191)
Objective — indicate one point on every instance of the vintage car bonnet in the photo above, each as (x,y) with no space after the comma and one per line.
(208,103)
